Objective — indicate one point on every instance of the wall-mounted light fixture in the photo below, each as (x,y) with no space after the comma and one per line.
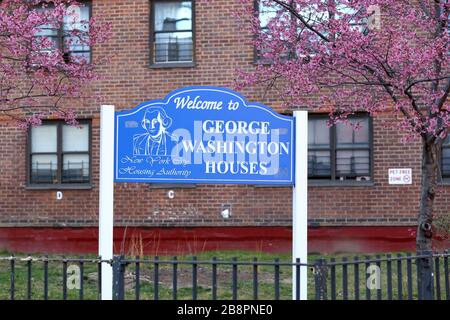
(226,211)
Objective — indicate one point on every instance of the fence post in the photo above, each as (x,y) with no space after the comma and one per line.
(118,277)
(320,279)
(426,275)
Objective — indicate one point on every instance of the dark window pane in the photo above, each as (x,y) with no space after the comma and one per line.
(269,11)
(319,160)
(352,149)
(446,162)
(81,56)
(174,46)
(75,168)
(353,15)
(318,133)
(319,165)
(78,20)
(47,32)
(447,141)
(44,169)
(47,43)
(446,158)
(352,163)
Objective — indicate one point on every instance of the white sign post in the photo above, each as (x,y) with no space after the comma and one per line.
(300,204)
(106,204)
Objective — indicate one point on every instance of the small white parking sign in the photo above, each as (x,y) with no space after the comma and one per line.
(400,176)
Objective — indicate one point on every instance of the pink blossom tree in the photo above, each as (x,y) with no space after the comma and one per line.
(40,66)
(371,55)
(363,55)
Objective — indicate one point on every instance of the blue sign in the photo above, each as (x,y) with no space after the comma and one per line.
(204,135)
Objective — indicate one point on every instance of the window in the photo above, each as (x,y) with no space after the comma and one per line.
(59,154)
(445,159)
(319,149)
(172,32)
(266,12)
(316,17)
(63,38)
(339,152)
(354,15)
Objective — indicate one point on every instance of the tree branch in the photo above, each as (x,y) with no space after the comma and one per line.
(291,9)
(441,101)
(325,85)
(425,80)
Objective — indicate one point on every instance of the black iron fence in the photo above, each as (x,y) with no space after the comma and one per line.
(389,277)
(50,278)
(205,279)
(381,277)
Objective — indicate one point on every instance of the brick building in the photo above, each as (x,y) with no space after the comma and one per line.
(49,175)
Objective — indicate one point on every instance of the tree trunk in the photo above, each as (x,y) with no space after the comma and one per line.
(429,179)
(424,229)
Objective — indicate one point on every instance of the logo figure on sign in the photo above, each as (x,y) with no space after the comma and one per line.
(154,141)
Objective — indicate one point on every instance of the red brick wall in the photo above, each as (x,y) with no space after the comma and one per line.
(221,47)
